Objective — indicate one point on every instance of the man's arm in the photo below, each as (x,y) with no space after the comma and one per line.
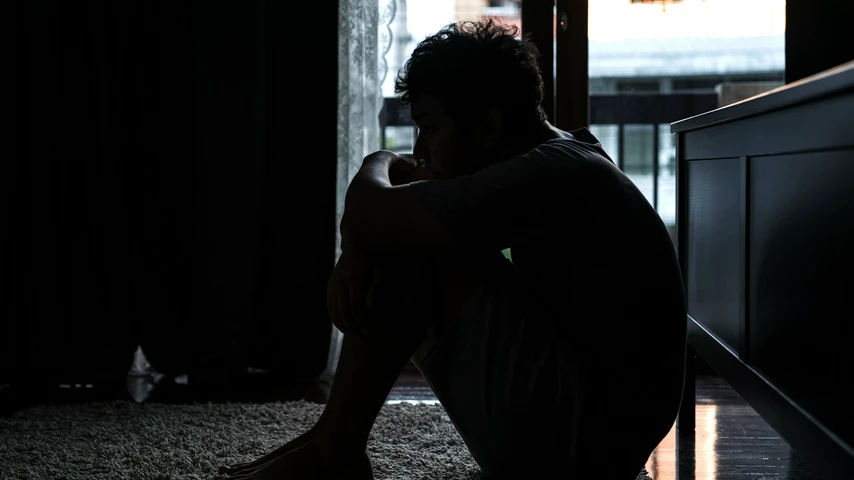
(381,217)
(508,203)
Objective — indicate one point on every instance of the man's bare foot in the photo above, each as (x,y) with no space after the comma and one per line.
(311,461)
(227,471)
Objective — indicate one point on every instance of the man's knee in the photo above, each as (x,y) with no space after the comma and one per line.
(460,278)
(435,288)
(404,281)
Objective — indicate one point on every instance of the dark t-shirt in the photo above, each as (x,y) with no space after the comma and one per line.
(584,239)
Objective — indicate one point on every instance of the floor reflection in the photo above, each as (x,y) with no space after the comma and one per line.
(731,441)
(705,442)
(688,455)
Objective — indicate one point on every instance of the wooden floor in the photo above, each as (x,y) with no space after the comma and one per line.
(730,441)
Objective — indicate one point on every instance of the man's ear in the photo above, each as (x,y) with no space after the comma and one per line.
(494,125)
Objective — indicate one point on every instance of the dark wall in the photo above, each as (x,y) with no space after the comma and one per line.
(170,182)
(818,36)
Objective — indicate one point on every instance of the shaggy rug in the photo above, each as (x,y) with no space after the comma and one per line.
(125,440)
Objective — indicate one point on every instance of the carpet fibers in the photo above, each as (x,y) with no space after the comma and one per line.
(125,440)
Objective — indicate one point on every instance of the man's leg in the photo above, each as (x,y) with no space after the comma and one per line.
(368,370)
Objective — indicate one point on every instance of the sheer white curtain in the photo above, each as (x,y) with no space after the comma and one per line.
(364,38)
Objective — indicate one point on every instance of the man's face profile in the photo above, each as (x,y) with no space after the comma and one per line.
(446,150)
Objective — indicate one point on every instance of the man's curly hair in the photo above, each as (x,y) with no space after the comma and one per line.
(472,65)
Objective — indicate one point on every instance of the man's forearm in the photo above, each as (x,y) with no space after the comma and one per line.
(372,176)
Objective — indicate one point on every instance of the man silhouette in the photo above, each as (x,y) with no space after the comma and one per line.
(567,360)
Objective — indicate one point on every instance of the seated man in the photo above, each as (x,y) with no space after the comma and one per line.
(570,358)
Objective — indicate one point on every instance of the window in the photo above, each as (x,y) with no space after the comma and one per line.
(658,50)
(648,50)
(414,20)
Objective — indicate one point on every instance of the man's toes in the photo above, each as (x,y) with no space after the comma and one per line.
(228,471)
(232,469)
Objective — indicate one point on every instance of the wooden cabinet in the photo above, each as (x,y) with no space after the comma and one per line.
(765,227)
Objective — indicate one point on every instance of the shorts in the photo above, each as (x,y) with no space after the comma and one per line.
(523,399)
(499,371)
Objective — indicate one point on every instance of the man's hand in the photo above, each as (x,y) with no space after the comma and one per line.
(403,167)
(349,292)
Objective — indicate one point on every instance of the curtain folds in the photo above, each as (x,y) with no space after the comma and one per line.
(364,39)
(170,183)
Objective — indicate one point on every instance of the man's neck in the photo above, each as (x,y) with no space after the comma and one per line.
(533,138)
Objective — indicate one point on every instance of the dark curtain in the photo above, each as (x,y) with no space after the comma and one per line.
(170,183)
